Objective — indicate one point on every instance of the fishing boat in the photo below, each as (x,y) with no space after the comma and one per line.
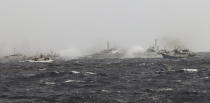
(177,53)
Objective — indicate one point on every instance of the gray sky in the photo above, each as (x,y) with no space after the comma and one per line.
(62,24)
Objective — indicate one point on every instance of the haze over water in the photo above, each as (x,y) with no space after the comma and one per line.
(85,25)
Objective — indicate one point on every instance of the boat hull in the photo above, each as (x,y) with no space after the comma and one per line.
(170,57)
(41,61)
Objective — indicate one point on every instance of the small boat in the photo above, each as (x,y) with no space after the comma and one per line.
(177,53)
(40,59)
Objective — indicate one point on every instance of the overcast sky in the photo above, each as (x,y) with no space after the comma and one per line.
(63,24)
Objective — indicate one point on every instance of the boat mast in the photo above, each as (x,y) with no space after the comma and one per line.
(14,51)
(155,42)
(107,44)
(156,45)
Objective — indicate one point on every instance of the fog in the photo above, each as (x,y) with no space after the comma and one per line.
(82,26)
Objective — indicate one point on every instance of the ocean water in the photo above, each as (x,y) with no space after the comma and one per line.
(107,81)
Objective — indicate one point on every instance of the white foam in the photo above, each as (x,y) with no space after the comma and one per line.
(90,73)
(75,72)
(70,81)
(43,69)
(166,89)
(206,77)
(106,91)
(191,70)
